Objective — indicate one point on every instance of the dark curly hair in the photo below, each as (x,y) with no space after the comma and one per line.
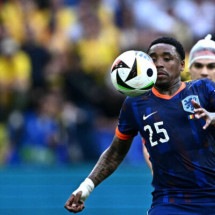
(171,41)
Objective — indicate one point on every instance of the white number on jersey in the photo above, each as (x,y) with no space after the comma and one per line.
(159,129)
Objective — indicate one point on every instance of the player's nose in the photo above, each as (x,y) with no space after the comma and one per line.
(204,72)
(158,63)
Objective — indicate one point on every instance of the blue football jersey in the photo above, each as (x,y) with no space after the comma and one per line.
(182,153)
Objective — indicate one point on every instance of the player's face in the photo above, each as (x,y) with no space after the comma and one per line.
(204,68)
(168,64)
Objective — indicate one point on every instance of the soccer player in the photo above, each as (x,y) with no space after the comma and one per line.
(202,59)
(177,122)
(201,65)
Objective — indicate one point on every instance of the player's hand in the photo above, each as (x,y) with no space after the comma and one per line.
(202,113)
(74,203)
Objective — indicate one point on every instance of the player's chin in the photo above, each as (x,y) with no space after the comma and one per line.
(161,76)
(162,80)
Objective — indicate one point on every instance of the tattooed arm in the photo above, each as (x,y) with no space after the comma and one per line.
(106,165)
(110,160)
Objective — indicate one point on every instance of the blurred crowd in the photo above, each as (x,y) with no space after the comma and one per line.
(57,104)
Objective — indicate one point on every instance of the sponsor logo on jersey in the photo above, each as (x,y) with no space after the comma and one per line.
(187,105)
(147,116)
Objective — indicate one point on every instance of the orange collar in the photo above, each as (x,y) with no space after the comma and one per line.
(156,93)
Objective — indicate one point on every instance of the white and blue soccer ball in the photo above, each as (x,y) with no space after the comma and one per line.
(133,73)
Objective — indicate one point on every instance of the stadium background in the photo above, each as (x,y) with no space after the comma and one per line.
(58,110)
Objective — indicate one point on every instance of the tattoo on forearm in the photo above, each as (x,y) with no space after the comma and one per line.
(108,163)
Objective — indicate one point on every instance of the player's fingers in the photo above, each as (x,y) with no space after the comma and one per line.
(198,111)
(70,200)
(77,198)
(79,207)
(195,104)
(200,115)
(78,204)
(74,204)
(75,209)
(69,203)
(205,126)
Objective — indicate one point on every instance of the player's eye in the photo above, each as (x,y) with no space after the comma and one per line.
(166,59)
(154,59)
(211,66)
(198,65)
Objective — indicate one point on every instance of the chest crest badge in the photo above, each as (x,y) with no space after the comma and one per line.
(187,105)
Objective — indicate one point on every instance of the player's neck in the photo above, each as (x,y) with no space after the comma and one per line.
(168,89)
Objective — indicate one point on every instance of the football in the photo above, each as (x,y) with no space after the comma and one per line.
(133,73)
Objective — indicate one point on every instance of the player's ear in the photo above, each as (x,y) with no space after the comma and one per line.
(182,65)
